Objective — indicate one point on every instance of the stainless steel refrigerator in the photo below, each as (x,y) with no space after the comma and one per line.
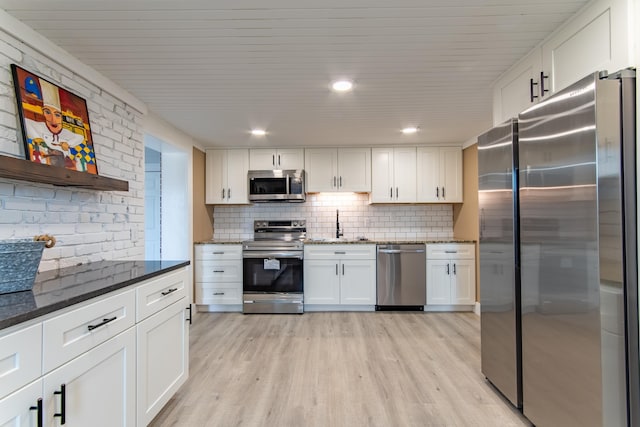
(578,256)
(499,259)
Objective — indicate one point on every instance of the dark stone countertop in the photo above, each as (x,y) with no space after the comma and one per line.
(57,289)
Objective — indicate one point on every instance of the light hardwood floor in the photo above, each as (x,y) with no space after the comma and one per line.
(337,369)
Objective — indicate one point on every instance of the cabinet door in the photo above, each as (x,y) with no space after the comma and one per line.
(463,285)
(354,169)
(596,39)
(290,158)
(236,168)
(428,175)
(382,175)
(262,159)
(518,88)
(438,282)
(321,282)
(100,386)
(404,167)
(20,358)
(15,409)
(216,180)
(451,174)
(321,168)
(162,359)
(358,282)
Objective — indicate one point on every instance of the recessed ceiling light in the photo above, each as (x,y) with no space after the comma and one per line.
(409,130)
(258,132)
(342,85)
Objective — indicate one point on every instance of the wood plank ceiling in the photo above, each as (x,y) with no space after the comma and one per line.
(215,69)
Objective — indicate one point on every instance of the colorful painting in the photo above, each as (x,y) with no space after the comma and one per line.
(55,123)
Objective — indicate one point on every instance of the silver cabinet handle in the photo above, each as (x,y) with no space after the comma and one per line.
(391,192)
(343,269)
(218,293)
(223,193)
(335,181)
(443,196)
(450,252)
(448,269)
(228,193)
(454,269)
(218,271)
(396,192)
(340,181)
(336,269)
(279,160)
(168,291)
(218,253)
(339,253)
(273,159)
(437,192)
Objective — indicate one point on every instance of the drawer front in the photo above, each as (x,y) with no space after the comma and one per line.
(158,293)
(217,252)
(340,252)
(75,332)
(212,294)
(451,251)
(219,271)
(20,358)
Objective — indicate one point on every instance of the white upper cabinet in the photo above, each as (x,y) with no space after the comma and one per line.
(439,173)
(338,169)
(517,89)
(597,38)
(226,176)
(393,175)
(281,158)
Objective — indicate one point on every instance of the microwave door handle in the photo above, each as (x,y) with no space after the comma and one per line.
(288,181)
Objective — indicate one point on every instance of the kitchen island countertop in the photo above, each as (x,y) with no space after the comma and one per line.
(57,289)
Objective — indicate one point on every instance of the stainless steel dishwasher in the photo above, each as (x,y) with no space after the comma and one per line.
(401,277)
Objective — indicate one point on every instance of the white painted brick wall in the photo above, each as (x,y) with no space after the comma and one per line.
(357,218)
(89,225)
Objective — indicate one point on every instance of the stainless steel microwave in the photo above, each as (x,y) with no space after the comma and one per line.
(276,186)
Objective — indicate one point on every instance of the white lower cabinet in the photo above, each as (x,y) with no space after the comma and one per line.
(451,274)
(96,389)
(219,276)
(163,359)
(337,275)
(20,409)
(90,365)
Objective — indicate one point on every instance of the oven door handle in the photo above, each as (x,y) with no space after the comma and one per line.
(271,254)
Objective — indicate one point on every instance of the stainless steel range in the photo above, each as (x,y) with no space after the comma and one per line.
(272,267)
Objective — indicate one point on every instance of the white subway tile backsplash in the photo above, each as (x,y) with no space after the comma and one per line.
(357,218)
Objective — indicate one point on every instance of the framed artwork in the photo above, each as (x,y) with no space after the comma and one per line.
(55,123)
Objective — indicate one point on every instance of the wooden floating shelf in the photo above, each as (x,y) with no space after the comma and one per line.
(25,170)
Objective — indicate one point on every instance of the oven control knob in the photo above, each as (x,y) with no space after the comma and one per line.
(294,223)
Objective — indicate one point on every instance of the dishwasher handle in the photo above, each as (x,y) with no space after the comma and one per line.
(401,251)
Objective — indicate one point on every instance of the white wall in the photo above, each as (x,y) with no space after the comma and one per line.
(89,225)
(357,218)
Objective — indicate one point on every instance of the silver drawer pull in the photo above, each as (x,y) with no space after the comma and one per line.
(218,271)
(339,253)
(218,293)
(450,252)
(104,322)
(169,291)
(218,253)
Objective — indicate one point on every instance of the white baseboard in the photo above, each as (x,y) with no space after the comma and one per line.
(444,308)
(476,308)
(232,308)
(322,307)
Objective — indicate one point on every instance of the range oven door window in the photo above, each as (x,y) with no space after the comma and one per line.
(272,275)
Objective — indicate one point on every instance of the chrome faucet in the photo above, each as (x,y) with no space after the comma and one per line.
(339,232)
